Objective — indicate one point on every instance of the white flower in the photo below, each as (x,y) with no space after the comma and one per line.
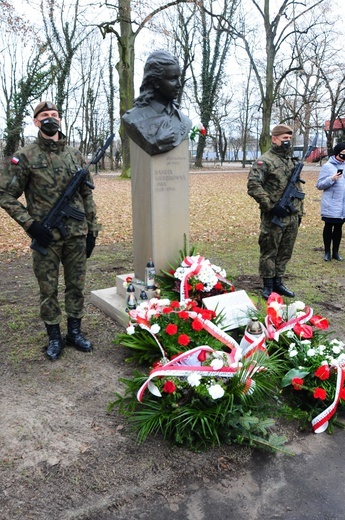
(217,364)
(336,349)
(194,379)
(130,330)
(311,352)
(179,273)
(321,348)
(293,353)
(292,346)
(306,342)
(294,309)
(154,301)
(290,334)
(216,391)
(155,328)
(299,305)
(164,302)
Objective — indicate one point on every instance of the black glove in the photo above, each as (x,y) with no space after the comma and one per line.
(279,211)
(90,244)
(40,233)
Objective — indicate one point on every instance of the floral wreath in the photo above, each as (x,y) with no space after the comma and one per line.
(316,360)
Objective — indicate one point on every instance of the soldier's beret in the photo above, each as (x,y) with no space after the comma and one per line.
(281,129)
(44,105)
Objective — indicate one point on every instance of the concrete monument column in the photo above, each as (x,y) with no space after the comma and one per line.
(160,206)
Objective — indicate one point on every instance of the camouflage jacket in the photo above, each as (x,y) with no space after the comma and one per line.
(268,178)
(41,171)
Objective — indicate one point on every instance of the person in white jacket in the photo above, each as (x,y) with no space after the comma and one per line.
(331,181)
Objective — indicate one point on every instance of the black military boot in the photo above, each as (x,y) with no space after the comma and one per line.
(280,288)
(75,337)
(56,343)
(327,257)
(268,287)
(337,256)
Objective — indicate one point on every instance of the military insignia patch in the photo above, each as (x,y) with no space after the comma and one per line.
(14,160)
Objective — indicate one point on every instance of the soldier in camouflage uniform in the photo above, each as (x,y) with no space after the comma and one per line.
(42,171)
(267,181)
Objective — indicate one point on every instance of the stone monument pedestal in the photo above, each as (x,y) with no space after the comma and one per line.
(160,206)
(160,211)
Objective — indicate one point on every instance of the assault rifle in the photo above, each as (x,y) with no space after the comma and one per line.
(62,208)
(291,192)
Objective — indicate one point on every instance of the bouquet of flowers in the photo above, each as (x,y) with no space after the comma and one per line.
(173,327)
(195,278)
(315,363)
(196,130)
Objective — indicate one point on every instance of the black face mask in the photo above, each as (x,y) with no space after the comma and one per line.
(342,156)
(50,126)
(285,145)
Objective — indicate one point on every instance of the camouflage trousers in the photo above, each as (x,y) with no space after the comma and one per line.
(276,245)
(71,253)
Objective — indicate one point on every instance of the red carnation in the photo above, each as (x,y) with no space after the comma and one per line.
(303,331)
(320,393)
(297,383)
(319,322)
(167,310)
(175,304)
(199,286)
(203,131)
(197,325)
(169,387)
(183,315)
(183,340)
(322,372)
(172,271)
(218,286)
(171,329)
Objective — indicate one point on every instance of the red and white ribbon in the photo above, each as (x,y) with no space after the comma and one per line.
(251,343)
(218,333)
(178,367)
(195,264)
(320,423)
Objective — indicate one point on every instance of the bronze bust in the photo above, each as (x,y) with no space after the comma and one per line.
(156,123)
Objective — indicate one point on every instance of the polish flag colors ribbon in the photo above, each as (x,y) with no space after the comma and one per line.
(320,423)
(183,365)
(194,263)
(251,343)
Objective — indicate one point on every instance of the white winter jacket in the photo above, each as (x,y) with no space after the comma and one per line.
(333,196)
